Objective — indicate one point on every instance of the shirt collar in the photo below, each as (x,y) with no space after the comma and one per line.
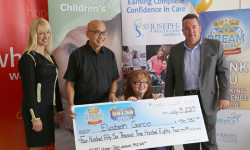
(92,50)
(187,48)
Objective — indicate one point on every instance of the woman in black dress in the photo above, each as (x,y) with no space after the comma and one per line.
(39,72)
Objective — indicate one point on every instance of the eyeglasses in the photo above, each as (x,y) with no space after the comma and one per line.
(98,32)
(143,83)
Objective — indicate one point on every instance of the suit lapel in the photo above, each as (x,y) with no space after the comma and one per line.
(182,52)
(203,53)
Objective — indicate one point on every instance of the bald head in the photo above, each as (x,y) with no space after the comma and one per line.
(96,41)
(96,25)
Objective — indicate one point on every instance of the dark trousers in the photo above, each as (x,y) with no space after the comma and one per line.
(210,123)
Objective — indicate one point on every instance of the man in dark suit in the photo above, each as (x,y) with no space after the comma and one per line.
(195,66)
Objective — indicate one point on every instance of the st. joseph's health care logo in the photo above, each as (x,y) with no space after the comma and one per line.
(230,34)
(164,28)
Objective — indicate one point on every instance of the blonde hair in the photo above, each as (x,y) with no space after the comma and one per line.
(162,49)
(37,25)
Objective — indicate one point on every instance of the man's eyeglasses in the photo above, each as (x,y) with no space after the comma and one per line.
(98,32)
(143,83)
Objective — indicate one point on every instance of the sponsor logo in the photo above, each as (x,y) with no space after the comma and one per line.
(100,6)
(189,101)
(232,119)
(122,113)
(137,25)
(166,29)
(230,34)
(158,105)
(94,116)
(176,103)
(227,137)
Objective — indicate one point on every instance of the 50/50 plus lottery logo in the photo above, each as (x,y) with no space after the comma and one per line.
(122,113)
(229,33)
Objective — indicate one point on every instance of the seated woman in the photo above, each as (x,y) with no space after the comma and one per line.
(164,70)
(137,60)
(138,87)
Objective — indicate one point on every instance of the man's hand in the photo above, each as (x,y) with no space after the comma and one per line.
(112,97)
(37,125)
(71,113)
(61,117)
(223,104)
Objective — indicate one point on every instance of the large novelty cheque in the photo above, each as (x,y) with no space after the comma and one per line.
(137,125)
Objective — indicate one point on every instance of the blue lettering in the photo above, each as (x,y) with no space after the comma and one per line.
(224,38)
(140,2)
(128,10)
(164,26)
(171,34)
(129,2)
(178,9)
(154,26)
(217,37)
(149,2)
(231,39)
(239,38)
(174,25)
(143,10)
(136,10)
(173,8)
(224,120)
(168,1)
(169,25)
(160,26)
(166,9)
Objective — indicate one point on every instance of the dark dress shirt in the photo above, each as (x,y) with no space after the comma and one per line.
(92,73)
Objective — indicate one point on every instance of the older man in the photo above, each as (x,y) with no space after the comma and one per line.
(195,66)
(92,70)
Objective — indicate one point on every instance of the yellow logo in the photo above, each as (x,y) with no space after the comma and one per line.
(94,116)
(230,34)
